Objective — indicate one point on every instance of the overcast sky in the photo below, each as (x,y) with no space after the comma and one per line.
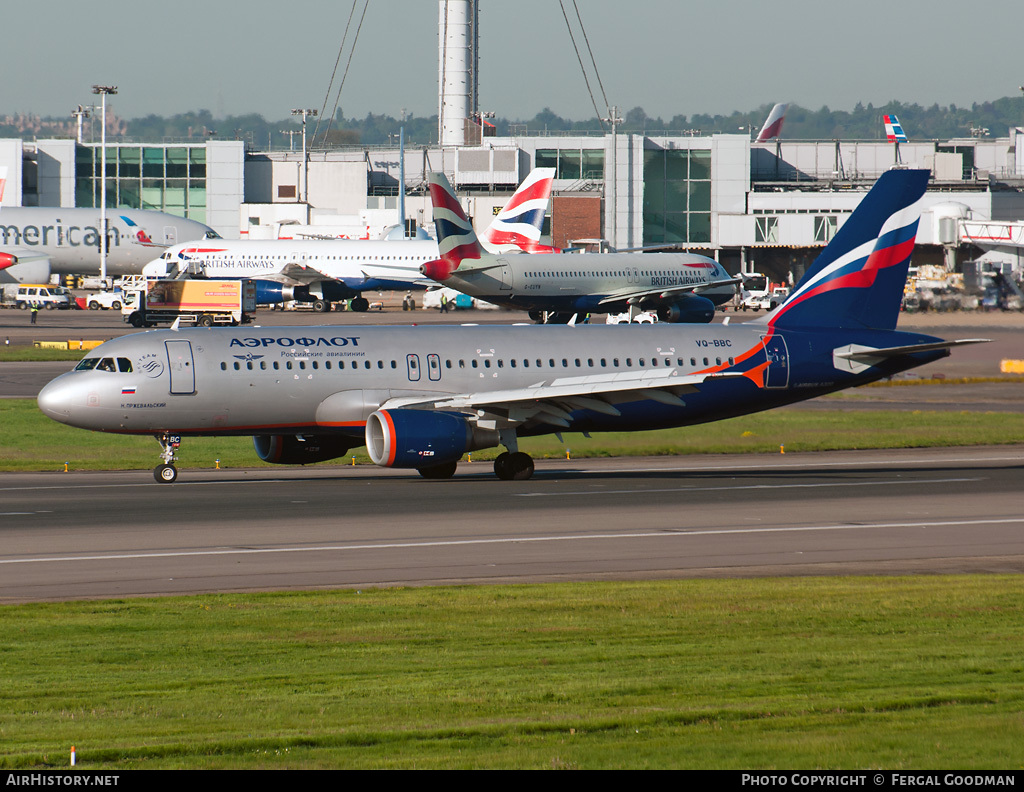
(668,56)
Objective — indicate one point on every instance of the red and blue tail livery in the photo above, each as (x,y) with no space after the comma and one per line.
(857,281)
(456,239)
(518,225)
(893,129)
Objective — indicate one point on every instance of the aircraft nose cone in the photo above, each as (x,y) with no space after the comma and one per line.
(55,400)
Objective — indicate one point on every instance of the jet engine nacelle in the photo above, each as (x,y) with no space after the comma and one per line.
(690,308)
(421,438)
(272,293)
(299,449)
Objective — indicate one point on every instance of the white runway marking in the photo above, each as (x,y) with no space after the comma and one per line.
(513,540)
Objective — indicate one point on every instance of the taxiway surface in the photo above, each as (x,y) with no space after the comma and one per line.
(101,535)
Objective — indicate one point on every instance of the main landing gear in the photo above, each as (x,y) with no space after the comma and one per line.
(515,466)
(512,465)
(166,472)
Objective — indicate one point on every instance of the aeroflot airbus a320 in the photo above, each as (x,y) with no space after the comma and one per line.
(421,397)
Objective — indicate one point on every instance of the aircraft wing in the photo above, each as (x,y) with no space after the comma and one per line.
(634,296)
(551,401)
(300,273)
(20,255)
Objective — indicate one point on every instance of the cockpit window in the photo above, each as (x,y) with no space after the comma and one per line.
(121,364)
(212,235)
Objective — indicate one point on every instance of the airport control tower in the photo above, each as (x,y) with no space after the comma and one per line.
(458,97)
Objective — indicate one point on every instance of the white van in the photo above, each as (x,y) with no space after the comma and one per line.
(48,297)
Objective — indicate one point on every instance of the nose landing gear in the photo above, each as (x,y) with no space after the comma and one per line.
(166,472)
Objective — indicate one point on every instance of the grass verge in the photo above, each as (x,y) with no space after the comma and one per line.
(895,673)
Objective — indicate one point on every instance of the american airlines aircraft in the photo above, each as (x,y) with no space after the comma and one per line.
(681,287)
(323,271)
(421,397)
(66,241)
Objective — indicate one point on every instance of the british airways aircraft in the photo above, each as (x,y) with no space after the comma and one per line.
(421,397)
(323,271)
(681,287)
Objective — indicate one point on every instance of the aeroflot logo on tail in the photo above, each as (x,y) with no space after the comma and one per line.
(334,341)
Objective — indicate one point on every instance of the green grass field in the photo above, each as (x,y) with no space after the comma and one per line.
(894,673)
(843,673)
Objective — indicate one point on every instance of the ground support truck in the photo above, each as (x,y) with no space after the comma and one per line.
(198,302)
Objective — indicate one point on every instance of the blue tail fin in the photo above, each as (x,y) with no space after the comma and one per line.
(858,279)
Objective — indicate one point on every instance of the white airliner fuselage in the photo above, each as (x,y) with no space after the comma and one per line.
(70,238)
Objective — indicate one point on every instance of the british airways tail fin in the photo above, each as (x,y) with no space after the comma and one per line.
(858,279)
(773,124)
(893,129)
(456,239)
(518,225)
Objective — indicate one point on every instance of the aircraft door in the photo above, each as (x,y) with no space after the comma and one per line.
(777,355)
(170,235)
(182,367)
(433,368)
(505,272)
(412,363)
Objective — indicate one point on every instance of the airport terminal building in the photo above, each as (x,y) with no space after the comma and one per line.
(753,206)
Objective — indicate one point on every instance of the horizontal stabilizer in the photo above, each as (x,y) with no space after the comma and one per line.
(856,358)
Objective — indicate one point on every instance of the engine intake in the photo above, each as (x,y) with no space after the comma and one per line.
(299,450)
(419,438)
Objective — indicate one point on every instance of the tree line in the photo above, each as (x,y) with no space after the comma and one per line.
(863,122)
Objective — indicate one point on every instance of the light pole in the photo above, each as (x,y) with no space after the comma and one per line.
(614,120)
(305,162)
(79,115)
(103,90)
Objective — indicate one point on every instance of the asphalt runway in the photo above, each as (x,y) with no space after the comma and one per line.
(98,535)
(103,535)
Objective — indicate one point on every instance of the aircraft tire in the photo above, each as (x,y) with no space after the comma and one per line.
(521,466)
(360,305)
(435,472)
(501,466)
(165,474)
